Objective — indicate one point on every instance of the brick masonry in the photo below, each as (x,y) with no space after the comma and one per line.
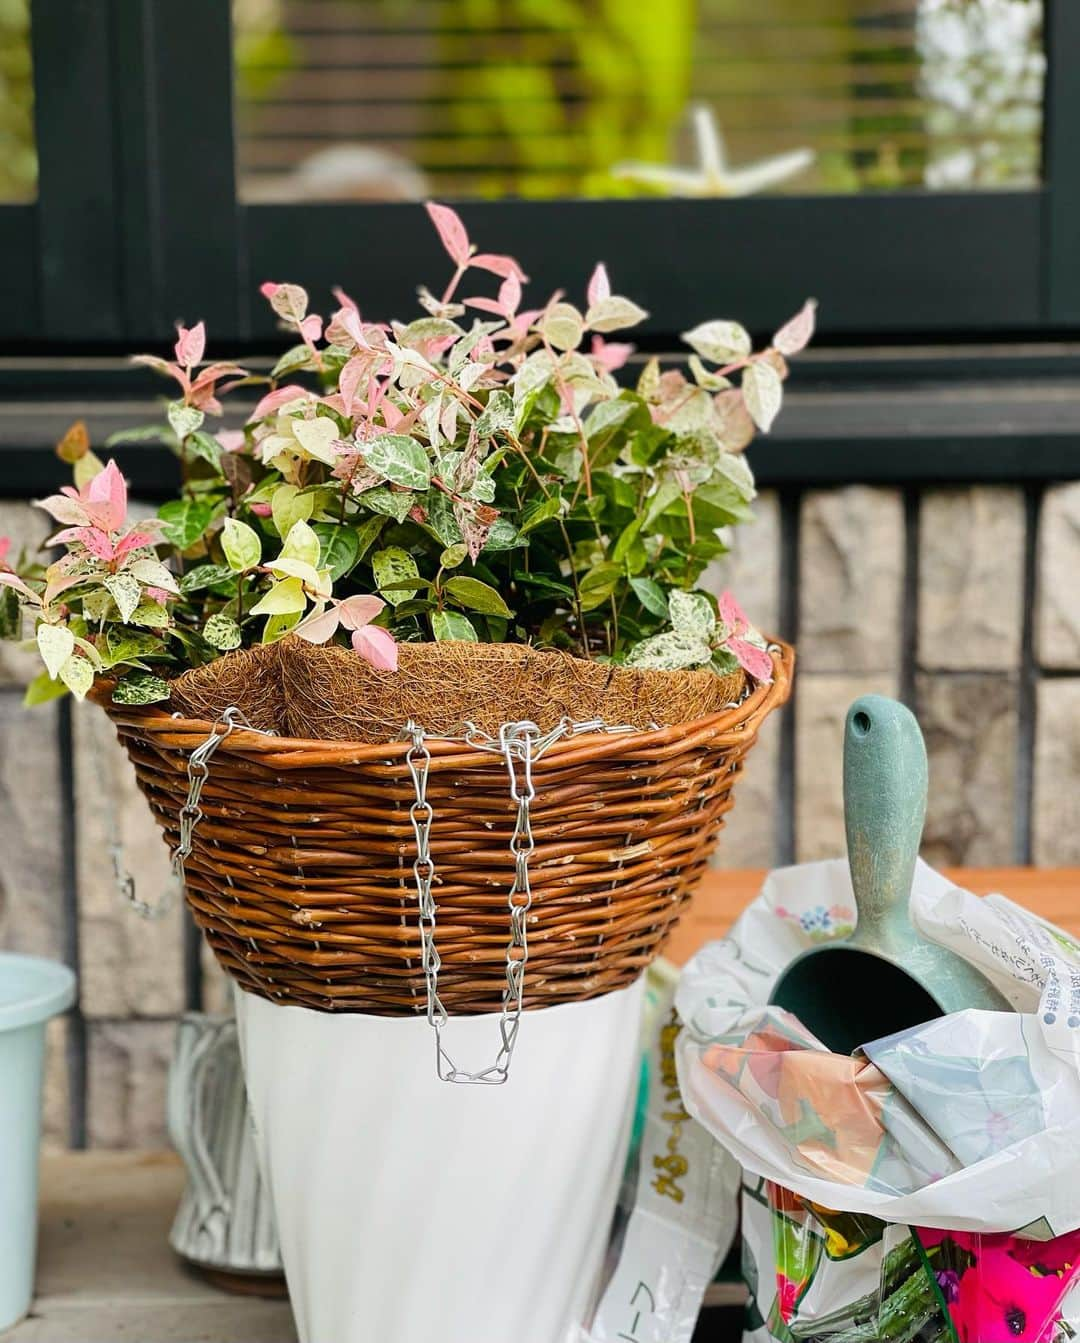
(963,601)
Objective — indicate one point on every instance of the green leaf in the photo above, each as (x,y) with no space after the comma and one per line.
(10,620)
(367,533)
(446,625)
(539,512)
(763,392)
(497,415)
(140,687)
(284,598)
(627,537)
(278,626)
(222,632)
(339,547)
(544,582)
(241,544)
(42,689)
(289,506)
(692,614)
(77,674)
(55,643)
(392,565)
(151,614)
(400,459)
(298,357)
(125,591)
(141,433)
(183,420)
(504,536)
(200,444)
(128,645)
(598,585)
(720,342)
(205,576)
(301,544)
(670,651)
(651,595)
(390,502)
(452,556)
(476,596)
(185,521)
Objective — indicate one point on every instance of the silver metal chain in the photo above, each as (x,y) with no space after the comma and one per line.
(198,771)
(520,745)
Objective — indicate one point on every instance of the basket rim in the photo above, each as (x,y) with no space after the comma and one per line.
(281,752)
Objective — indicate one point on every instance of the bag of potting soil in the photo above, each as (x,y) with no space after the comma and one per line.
(968,1124)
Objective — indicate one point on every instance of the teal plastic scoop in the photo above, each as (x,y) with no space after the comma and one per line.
(886,977)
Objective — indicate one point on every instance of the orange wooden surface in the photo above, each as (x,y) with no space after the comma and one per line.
(1052,892)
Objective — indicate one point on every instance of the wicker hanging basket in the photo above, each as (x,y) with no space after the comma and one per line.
(301,872)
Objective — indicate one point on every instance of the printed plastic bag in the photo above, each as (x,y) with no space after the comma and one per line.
(970,1122)
(952,1149)
(816,1274)
(679,1207)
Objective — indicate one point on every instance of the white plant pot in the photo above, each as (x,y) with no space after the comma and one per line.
(411,1210)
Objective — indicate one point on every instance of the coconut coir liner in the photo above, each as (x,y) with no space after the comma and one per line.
(297,689)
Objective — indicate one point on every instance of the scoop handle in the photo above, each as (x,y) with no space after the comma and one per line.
(885,779)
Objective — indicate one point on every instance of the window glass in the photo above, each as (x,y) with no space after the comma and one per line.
(485,99)
(18,161)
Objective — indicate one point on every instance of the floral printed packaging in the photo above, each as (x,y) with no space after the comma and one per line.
(926,1188)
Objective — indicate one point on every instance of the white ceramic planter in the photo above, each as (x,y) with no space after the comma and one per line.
(411,1210)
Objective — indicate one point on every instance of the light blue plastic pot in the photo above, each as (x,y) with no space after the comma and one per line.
(31,992)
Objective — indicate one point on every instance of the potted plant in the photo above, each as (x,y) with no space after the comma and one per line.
(417,679)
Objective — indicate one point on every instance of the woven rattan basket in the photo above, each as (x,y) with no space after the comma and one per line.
(301,871)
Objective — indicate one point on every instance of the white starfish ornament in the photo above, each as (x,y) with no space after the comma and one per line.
(712,176)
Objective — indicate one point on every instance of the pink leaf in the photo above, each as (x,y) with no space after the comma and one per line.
(94,539)
(356,612)
(279,397)
(732,614)
(377,646)
(108,491)
(63,508)
(262,510)
(11,580)
(752,659)
(599,285)
(213,372)
(231,440)
(133,541)
(451,232)
(163,366)
(311,329)
(5,548)
(319,626)
(499,265)
(485,305)
(795,335)
(349,381)
(510,295)
(160,595)
(611,354)
(269,288)
(344,299)
(191,344)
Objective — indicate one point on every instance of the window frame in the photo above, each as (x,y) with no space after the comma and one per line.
(137,223)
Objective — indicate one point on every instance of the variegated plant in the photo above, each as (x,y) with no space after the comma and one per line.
(479,473)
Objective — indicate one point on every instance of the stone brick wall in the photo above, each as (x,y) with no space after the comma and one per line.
(965,602)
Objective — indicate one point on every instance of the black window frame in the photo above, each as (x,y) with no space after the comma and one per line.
(137,221)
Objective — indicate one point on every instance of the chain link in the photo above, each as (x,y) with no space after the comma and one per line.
(198,771)
(520,745)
